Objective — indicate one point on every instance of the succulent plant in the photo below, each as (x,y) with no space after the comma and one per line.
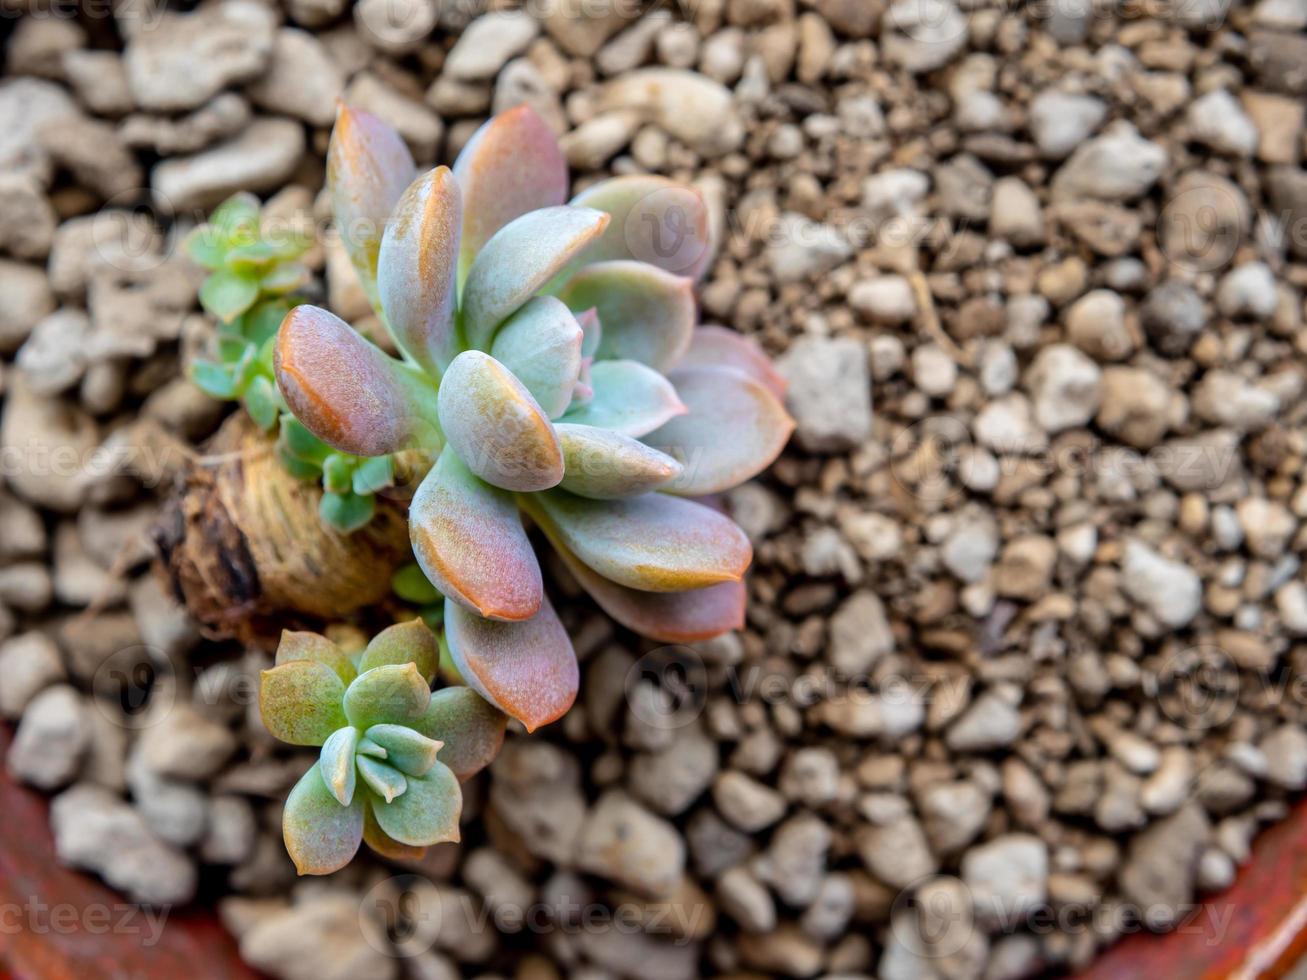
(550,357)
(393,753)
(254,273)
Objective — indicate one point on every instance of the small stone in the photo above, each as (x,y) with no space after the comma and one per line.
(29,663)
(1204,221)
(1173,314)
(1119,165)
(395,27)
(933,370)
(183,60)
(800,248)
(1136,406)
(27,221)
(1014,213)
(260,159)
(795,862)
(301,79)
(99,80)
(860,634)
(885,300)
(1267,526)
(231,833)
(923,36)
(1007,877)
(746,900)
(1169,590)
(523,83)
(1248,291)
(47,445)
(672,779)
(1065,387)
(580,31)
(1285,749)
(1158,871)
(327,936)
(1170,784)
(176,811)
(596,140)
(953,813)
(1291,604)
(1096,323)
(1061,121)
(28,105)
(1279,124)
(489,43)
(1218,120)
(95,830)
(185,744)
(745,802)
(624,842)
(989,723)
(969,550)
(691,107)
(24,299)
(811,776)
(51,739)
(897,852)
(52,360)
(829,392)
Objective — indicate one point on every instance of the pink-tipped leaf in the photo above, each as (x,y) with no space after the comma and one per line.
(733,431)
(606,465)
(426,812)
(717,346)
(627,397)
(471,729)
(321,835)
(649,313)
(468,538)
(527,670)
(416,274)
(348,392)
(496,427)
(653,542)
(510,166)
(521,258)
(655,220)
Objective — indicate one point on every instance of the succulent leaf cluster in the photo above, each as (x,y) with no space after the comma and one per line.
(392,752)
(254,273)
(551,364)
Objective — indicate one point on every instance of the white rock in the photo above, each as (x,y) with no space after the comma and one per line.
(990,722)
(51,739)
(1119,165)
(1286,757)
(799,247)
(259,159)
(1218,120)
(301,80)
(395,27)
(829,392)
(1248,291)
(1007,876)
(884,299)
(332,936)
(27,105)
(922,35)
(1061,121)
(1065,387)
(183,60)
(1170,591)
(29,663)
(94,829)
(489,43)
(1291,603)
(1007,426)
(968,552)
(691,107)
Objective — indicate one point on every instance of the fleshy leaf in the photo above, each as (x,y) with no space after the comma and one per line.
(629,398)
(655,220)
(734,430)
(300,702)
(348,392)
(427,812)
(368,747)
(510,166)
(407,750)
(541,345)
(373,474)
(652,542)
(649,313)
(668,617)
(521,258)
(404,643)
(468,538)
(368,168)
(591,330)
(604,464)
(499,431)
(337,763)
(321,835)
(383,844)
(527,670)
(346,512)
(417,266)
(383,779)
(303,645)
(389,693)
(471,729)
(228,294)
(717,346)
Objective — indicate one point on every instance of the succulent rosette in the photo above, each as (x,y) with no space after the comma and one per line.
(550,359)
(393,753)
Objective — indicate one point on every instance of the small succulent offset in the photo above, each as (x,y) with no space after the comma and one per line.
(550,358)
(254,273)
(393,752)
